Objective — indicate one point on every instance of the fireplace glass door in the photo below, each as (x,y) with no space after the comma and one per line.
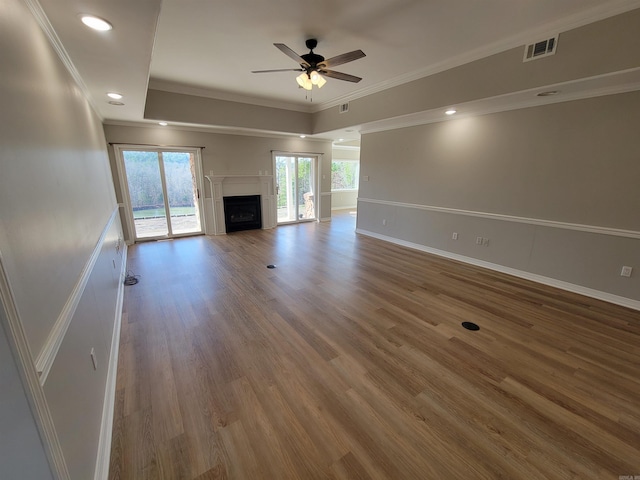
(295,188)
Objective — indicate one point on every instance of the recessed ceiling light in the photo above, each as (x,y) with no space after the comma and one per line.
(341,139)
(114,95)
(303,136)
(163,124)
(550,93)
(117,104)
(96,23)
(451,111)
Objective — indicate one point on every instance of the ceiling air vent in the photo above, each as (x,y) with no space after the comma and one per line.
(343,107)
(540,49)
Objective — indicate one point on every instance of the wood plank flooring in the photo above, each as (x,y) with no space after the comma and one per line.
(348,361)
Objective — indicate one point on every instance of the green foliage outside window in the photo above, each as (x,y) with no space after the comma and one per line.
(344,174)
(143,175)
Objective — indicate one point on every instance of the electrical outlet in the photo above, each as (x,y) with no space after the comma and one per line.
(626,271)
(365,178)
(478,240)
(454,236)
(485,242)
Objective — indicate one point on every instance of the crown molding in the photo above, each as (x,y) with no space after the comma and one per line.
(509,101)
(173,87)
(45,25)
(563,25)
(216,129)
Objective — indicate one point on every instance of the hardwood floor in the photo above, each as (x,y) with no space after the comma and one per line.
(348,361)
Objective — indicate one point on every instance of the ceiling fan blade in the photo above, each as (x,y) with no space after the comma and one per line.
(344,58)
(278,70)
(340,76)
(290,53)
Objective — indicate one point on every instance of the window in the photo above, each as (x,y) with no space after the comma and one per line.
(344,174)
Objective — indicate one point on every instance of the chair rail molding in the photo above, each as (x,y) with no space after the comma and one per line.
(47,355)
(33,390)
(510,218)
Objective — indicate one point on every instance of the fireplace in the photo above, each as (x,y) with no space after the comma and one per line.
(242,213)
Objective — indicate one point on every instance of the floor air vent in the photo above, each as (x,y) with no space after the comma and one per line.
(540,49)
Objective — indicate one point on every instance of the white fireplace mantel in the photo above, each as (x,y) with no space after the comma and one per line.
(228,185)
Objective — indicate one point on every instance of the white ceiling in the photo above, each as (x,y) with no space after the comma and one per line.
(210,47)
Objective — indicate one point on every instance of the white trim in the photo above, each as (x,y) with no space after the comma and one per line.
(43,21)
(213,207)
(108,406)
(337,146)
(33,390)
(124,186)
(616,232)
(325,219)
(182,89)
(581,19)
(605,84)
(552,282)
(51,346)
(220,129)
(353,207)
(317,168)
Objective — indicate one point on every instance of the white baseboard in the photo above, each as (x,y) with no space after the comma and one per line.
(552,282)
(108,406)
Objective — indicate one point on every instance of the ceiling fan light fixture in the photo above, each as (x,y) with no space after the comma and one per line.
(321,81)
(304,81)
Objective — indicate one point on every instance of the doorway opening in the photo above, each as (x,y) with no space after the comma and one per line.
(162,191)
(296,184)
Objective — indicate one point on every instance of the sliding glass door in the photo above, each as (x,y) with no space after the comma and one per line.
(295,187)
(163,191)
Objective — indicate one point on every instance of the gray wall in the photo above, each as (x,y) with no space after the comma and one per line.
(225,154)
(176,107)
(56,199)
(572,163)
(610,45)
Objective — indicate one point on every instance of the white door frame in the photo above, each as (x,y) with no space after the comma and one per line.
(316,183)
(124,185)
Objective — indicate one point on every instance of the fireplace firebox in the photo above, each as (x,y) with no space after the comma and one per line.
(242,213)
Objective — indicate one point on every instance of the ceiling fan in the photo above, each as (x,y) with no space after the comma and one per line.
(312,65)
